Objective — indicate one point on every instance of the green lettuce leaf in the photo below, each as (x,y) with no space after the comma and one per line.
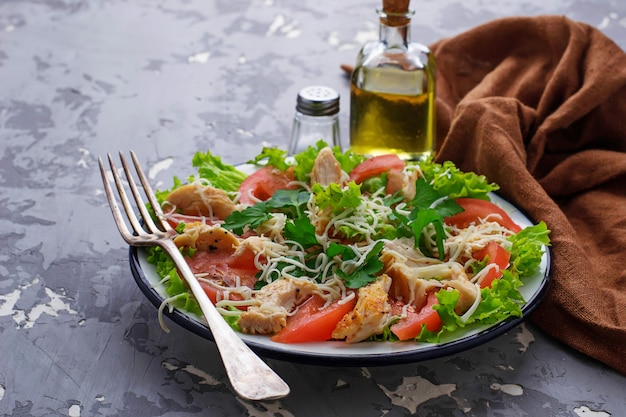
(447,179)
(527,249)
(337,197)
(219,174)
(272,156)
(306,159)
(501,301)
(174,285)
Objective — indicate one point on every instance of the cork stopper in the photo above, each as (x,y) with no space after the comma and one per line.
(395,12)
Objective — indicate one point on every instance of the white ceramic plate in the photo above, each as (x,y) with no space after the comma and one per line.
(365,353)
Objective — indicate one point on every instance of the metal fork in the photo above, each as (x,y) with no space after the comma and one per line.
(250,377)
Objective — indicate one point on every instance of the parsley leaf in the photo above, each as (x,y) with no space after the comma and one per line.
(289,201)
(343,251)
(366,272)
(302,231)
(425,195)
(428,207)
(423,219)
(252,216)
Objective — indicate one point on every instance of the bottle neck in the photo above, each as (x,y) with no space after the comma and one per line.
(395,36)
(395,28)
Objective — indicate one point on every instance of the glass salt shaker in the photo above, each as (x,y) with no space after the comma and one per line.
(316,117)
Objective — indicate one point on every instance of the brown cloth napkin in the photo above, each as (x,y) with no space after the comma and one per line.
(538,105)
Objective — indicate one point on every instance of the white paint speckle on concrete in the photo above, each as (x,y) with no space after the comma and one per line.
(510,389)
(415,391)
(585,411)
(74,411)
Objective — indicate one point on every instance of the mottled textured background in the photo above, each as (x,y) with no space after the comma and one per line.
(79,79)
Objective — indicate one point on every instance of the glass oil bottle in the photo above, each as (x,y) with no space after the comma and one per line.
(392,91)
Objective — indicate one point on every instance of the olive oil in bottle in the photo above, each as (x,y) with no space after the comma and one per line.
(392,92)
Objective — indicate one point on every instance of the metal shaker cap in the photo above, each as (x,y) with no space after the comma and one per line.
(318,101)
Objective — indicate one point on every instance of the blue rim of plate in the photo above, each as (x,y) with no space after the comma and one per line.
(341,353)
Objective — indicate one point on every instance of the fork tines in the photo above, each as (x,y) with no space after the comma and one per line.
(139,234)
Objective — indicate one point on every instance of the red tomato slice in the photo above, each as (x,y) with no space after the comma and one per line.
(495,254)
(312,324)
(214,293)
(476,209)
(263,183)
(376,166)
(243,259)
(410,326)
(224,268)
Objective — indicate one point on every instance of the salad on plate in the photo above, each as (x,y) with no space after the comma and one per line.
(332,245)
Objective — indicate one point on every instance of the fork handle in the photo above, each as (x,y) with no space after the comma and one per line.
(249,376)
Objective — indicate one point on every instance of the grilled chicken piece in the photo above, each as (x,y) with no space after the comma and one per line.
(408,185)
(414,276)
(402,181)
(276,300)
(370,314)
(467,293)
(254,244)
(410,289)
(326,169)
(207,238)
(200,200)
(405,249)
(410,271)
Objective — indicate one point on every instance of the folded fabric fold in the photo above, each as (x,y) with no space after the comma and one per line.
(538,105)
